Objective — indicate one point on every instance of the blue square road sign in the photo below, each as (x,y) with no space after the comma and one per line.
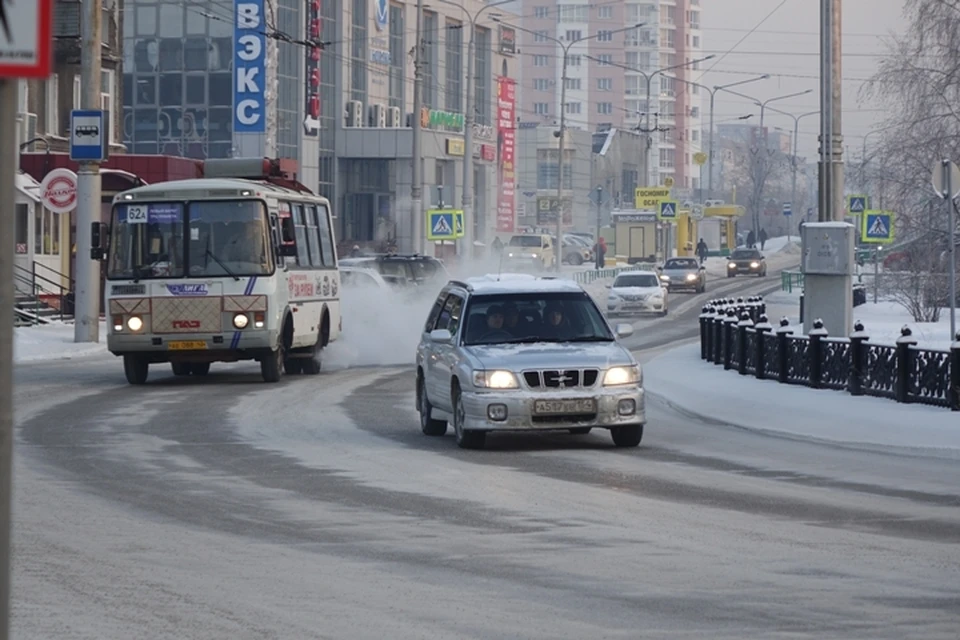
(877,227)
(88,139)
(667,210)
(856,204)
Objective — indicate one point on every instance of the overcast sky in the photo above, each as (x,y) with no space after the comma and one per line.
(787,46)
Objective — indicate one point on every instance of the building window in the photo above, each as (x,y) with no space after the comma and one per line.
(398,58)
(20,227)
(572,84)
(605,108)
(358,51)
(666,158)
(573,35)
(52,123)
(541,108)
(431,37)
(541,12)
(46,233)
(694,112)
(605,84)
(605,13)
(574,13)
(541,84)
(694,135)
(454,46)
(604,35)
(574,60)
(548,171)
(540,61)
(694,18)
(605,59)
(572,108)
(484,70)
(108,101)
(540,36)
(696,42)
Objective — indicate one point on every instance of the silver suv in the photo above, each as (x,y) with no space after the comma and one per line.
(519,353)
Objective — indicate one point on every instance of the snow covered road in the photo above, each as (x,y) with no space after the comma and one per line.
(225,508)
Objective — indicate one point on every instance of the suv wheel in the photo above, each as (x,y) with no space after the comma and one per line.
(428,425)
(627,436)
(465,439)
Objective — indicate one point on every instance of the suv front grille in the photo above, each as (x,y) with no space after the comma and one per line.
(561,378)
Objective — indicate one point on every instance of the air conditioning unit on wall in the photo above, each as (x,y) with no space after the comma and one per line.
(354,113)
(28,130)
(378,116)
(393,117)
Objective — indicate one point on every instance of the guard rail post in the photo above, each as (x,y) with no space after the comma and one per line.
(815,353)
(783,349)
(728,322)
(762,328)
(742,327)
(858,359)
(903,384)
(706,315)
(718,324)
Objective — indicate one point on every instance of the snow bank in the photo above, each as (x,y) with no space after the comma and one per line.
(687,382)
(783,244)
(53,342)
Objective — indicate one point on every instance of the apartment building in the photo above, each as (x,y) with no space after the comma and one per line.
(607,75)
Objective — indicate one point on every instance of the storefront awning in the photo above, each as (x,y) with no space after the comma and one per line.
(28,186)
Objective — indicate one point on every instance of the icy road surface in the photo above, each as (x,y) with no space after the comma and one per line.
(226,508)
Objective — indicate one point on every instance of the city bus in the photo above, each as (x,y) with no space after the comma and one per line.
(238,265)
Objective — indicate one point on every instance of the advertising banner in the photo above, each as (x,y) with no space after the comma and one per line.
(249,63)
(506,142)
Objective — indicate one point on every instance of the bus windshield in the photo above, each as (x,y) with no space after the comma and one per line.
(223,238)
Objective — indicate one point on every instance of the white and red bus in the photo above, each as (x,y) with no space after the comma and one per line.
(238,265)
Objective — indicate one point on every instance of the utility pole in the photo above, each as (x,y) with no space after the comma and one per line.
(87,306)
(470,227)
(831,141)
(418,224)
(9,89)
(600,262)
(561,145)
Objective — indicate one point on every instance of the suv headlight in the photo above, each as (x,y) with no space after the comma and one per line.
(495,379)
(754,265)
(691,277)
(732,265)
(619,376)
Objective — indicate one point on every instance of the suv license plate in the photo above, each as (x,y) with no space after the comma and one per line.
(565,407)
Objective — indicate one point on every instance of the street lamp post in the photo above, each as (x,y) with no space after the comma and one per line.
(561,135)
(796,134)
(470,226)
(758,186)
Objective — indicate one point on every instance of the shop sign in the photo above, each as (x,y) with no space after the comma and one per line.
(433,119)
(506,137)
(455,147)
(249,62)
(58,191)
(482,131)
(311,107)
(547,207)
(487,153)
(508,40)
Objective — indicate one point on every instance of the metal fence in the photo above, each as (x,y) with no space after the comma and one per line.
(738,336)
(586,277)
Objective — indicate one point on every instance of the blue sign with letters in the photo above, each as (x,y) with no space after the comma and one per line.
(787,209)
(88,140)
(249,68)
(188,289)
(150,213)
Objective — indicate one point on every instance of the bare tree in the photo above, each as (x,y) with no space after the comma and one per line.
(755,166)
(920,81)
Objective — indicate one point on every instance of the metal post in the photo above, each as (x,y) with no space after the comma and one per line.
(8,170)
(710,149)
(600,264)
(87,301)
(470,231)
(793,179)
(558,243)
(948,190)
(836,113)
(876,274)
(418,225)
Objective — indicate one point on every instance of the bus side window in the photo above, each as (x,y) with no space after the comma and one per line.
(303,252)
(275,239)
(310,213)
(326,236)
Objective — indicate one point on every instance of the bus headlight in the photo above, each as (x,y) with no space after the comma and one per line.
(134,323)
(240,321)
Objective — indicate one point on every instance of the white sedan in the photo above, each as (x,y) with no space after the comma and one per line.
(636,292)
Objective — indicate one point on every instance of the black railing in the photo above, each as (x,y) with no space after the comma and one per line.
(34,283)
(738,335)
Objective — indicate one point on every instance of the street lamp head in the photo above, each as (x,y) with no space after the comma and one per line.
(495,18)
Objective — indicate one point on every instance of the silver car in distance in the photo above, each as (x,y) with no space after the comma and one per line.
(513,352)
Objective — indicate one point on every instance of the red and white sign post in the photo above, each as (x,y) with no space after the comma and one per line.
(26,42)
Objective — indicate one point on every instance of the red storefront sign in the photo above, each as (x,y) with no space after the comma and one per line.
(506,140)
(487,153)
(311,108)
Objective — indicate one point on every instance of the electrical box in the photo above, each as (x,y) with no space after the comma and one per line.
(828,248)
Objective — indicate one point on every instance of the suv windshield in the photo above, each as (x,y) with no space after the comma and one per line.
(637,280)
(525,241)
(225,238)
(745,254)
(534,317)
(681,264)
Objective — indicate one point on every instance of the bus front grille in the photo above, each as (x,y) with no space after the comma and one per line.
(187,315)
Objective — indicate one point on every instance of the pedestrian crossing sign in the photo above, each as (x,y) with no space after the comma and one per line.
(444,224)
(667,210)
(856,205)
(876,227)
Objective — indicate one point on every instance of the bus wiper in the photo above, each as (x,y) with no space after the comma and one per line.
(223,266)
(590,339)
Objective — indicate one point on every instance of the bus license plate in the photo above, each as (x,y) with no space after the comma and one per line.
(582,406)
(186,345)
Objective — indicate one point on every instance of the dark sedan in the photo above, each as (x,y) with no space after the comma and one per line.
(746,261)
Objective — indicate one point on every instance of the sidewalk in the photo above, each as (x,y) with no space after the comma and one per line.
(692,385)
(54,342)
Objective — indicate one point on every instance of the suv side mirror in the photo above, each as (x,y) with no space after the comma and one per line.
(659,267)
(624,330)
(441,335)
